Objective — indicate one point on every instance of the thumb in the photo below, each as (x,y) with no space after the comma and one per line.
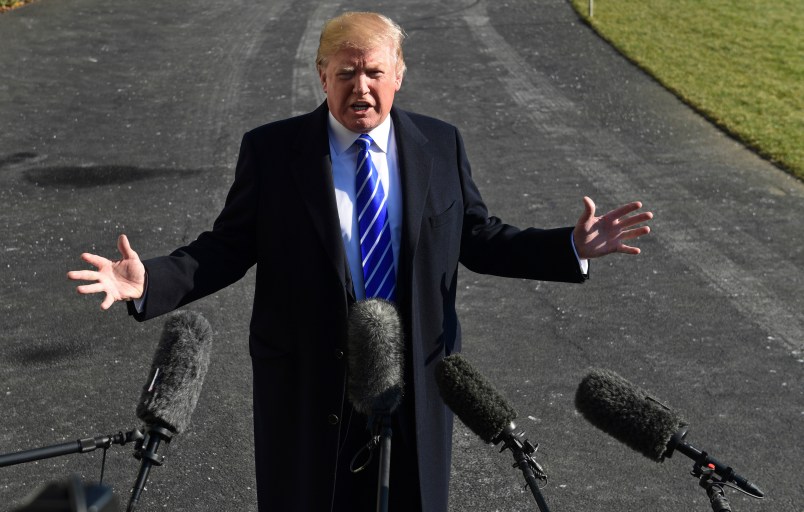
(588,210)
(125,248)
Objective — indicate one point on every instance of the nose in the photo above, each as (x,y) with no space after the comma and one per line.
(361,85)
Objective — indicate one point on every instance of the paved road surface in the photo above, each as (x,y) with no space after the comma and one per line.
(126,117)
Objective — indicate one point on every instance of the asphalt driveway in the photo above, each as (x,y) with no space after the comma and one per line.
(126,117)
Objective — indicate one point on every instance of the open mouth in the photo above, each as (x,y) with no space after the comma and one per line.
(360,106)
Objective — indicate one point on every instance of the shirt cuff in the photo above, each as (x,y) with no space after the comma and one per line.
(139,304)
(583,264)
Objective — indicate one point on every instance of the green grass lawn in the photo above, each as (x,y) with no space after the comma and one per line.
(738,62)
(6,5)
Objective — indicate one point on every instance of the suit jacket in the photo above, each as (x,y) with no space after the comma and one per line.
(281,214)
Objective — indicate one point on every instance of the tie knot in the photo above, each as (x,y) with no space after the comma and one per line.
(364,141)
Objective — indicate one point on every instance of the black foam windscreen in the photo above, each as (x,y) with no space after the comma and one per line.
(177,373)
(478,405)
(375,357)
(627,413)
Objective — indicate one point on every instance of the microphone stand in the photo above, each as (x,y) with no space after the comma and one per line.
(147,450)
(713,487)
(381,435)
(383,425)
(78,446)
(712,474)
(522,451)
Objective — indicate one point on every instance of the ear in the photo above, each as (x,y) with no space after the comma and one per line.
(322,75)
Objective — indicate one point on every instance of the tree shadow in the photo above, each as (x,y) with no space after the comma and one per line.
(98,176)
(85,176)
(47,355)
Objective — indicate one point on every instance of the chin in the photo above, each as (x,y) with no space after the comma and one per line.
(363,125)
(364,122)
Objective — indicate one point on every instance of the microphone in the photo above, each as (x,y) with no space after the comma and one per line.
(479,406)
(169,397)
(634,417)
(376,365)
(375,357)
(489,415)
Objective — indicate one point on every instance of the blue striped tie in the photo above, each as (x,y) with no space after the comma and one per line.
(375,233)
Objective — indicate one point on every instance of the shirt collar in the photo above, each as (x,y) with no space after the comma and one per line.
(342,138)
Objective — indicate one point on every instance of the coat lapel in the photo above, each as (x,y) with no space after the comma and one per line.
(312,170)
(415,167)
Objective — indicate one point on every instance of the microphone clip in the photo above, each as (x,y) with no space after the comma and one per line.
(527,450)
(521,448)
(709,481)
(368,449)
(145,448)
(523,451)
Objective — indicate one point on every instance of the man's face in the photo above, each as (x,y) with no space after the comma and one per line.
(360,86)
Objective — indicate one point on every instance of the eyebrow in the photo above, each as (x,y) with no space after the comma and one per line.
(373,65)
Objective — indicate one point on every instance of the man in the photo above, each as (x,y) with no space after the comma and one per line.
(295,210)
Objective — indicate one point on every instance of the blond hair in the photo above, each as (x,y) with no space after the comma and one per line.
(360,31)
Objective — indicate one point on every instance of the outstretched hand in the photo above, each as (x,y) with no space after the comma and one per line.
(122,279)
(598,236)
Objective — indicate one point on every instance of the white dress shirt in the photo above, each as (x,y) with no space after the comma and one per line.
(383,153)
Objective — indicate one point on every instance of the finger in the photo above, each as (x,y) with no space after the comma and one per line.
(624,210)
(124,247)
(83,275)
(107,302)
(634,233)
(588,210)
(627,249)
(635,219)
(91,288)
(95,260)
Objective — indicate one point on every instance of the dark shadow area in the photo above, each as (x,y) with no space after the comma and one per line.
(98,176)
(47,355)
(16,158)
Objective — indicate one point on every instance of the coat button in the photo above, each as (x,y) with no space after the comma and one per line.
(339,354)
(333,419)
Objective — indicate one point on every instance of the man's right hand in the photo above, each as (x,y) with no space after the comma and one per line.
(122,279)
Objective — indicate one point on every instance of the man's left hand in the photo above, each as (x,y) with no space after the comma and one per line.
(598,236)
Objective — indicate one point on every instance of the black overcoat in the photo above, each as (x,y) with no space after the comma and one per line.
(281,215)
